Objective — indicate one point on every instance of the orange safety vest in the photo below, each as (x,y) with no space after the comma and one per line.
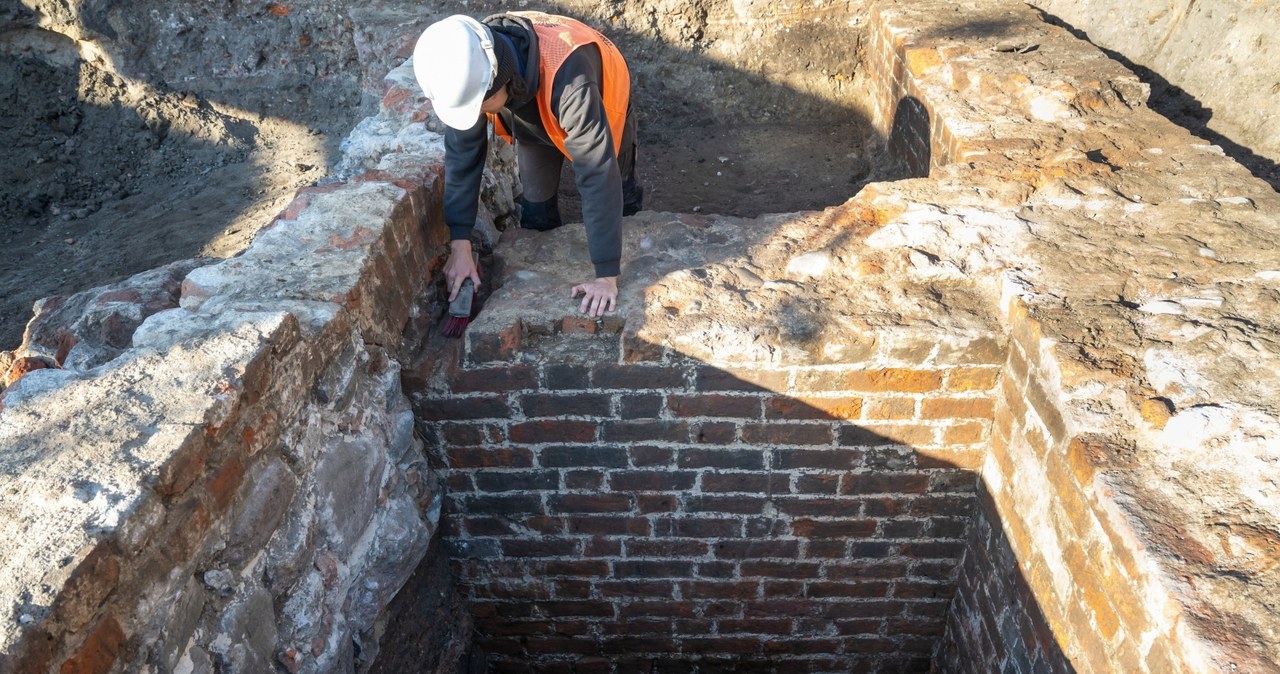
(559,36)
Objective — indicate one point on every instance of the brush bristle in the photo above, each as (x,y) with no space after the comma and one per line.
(455,326)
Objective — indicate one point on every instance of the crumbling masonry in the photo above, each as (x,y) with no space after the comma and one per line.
(1014,414)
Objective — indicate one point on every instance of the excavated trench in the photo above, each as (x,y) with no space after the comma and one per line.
(606,509)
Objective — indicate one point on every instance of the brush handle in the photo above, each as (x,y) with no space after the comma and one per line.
(460,307)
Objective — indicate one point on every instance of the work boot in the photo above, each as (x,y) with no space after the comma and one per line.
(541,215)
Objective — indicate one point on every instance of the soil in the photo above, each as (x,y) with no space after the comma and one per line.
(106,179)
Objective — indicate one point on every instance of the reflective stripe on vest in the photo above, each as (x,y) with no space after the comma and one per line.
(558,37)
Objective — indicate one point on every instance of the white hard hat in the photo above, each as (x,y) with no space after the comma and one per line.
(454,64)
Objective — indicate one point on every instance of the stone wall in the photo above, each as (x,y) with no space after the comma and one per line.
(212,467)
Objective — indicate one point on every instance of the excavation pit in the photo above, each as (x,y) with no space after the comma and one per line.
(950,421)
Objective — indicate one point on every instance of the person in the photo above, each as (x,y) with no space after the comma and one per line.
(560,89)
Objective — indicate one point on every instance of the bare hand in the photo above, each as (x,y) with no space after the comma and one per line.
(460,267)
(598,296)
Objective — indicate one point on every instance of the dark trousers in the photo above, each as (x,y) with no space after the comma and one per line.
(540,166)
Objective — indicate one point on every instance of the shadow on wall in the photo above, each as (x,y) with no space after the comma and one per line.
(1183,109)
(679,518)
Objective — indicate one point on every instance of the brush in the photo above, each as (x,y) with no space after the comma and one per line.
(459,314)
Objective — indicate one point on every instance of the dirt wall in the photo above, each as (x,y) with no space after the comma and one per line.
(1211,65)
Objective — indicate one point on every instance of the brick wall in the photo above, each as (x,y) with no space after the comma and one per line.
(1070,541)
(615,513)
(995,623)
(916,135)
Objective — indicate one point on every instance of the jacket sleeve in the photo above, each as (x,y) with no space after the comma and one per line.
(589,143)
(464,157)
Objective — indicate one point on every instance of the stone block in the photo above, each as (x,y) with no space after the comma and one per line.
(260,513)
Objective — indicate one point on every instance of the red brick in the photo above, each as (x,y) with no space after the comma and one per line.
(778,647)
(471,434)
(906,589)
(859,436)
(865,609)
(646,431)
(842,408)
(560,405)
(932,550)
(608,526)
(557,377)
(599,546)
(949,506)
(591,503)
(832,459)
(539,432)
(88,587)
(798,608)
(637,377)
(637,588)
(818,483)
(972,379)
(885,483)
(99,651)
(780,433)
(698,527)
(658,609)
(716,433)
(470,407)
(488,526)
(721,570)
(858,626)
(503,505)
(518,480)
(836,528)
(818,507)
(657,503)
(891,408)
(772,626)
(756,549)
(848,588)
(592,456)
(495,379)
(501,345)
(725,645)
(756,483)
(541,547)
(484,457)
(642,547)
(788,569)
(644,456)
(652,569)
(185,527)
(895,380)
(743,505)
(886,569)
(644,406)
(636,349)
(576,325)
(746,459)
(957,408)
(714,405)
(714,379)
(583,479)
(651,480)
